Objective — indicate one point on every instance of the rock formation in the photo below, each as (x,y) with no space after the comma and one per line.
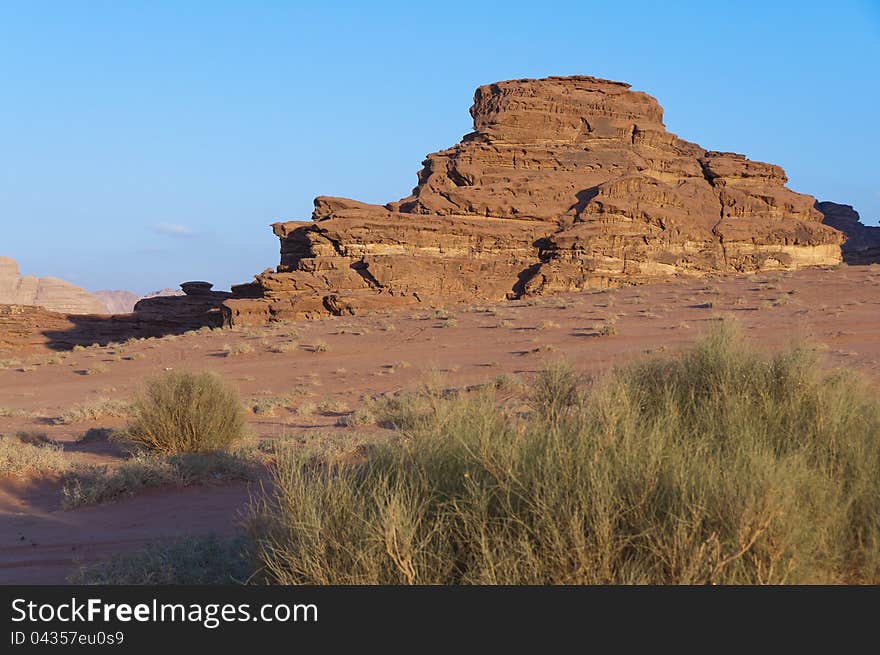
(565,184)
(123,302)
(198,306)
(47,292)
(862,245)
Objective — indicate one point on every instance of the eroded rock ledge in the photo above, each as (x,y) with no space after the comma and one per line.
(566,183)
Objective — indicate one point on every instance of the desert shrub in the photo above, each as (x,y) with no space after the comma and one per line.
(332,406)
(192,561)
(94,435)
(360,416)
(27,453)
(720,465)
(99,484)
(7,412)
(92,411)
(284,347)
(267,405)
(507,382)
(237,349)
(607,329)
(186,412)
(407,411)
(306,409)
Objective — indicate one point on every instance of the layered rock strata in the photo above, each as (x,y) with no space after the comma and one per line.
(565,184)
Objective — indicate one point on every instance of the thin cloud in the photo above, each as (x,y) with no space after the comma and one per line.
(173,230)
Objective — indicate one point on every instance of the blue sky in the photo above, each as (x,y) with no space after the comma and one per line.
(147,143)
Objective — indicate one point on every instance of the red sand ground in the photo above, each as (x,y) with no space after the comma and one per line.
(369,355)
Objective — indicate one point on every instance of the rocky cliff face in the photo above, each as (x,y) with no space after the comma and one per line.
(862,245)
(565,184)
(47,292)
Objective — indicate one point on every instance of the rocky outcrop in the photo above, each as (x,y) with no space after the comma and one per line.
(197,306)
(862,245)
(47,292)
(565,184)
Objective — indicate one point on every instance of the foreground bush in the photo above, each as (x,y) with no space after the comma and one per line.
(186,413)
(722,465)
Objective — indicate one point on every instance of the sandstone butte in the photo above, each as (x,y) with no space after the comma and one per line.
(47,292)
(565,184)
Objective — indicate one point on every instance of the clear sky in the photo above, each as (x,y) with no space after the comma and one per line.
(143,143)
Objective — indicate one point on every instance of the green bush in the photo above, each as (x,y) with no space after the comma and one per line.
(186,413)
(721,465)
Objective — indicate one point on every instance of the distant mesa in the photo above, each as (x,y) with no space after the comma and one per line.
(565,184)
(46,292)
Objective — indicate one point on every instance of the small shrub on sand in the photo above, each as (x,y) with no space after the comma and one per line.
(99,484)
(237,349)
(267,405)
(92,411)
(361,416)
(185,413)
(320,347)
(720,465)
(95,435)
(284,347)
(192,561)
(6,412)
(306,409)
(408,410)
(507,382)
(22,455)
(607,329)
(332,406)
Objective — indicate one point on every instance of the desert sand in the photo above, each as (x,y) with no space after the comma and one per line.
(378,353)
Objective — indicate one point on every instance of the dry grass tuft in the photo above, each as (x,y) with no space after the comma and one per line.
(25,454)
(185,413)
(720,465)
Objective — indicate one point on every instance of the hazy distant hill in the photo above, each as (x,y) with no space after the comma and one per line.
(48,292)
(123,302)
